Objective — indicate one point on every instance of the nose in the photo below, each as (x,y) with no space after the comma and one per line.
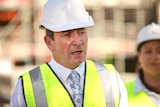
(77,40)
(155,56)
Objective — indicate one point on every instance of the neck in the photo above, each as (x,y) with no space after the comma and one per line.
(152,83)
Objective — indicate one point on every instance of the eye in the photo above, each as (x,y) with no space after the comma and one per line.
(67,34)
(158,51)
(148,51)
(82,31)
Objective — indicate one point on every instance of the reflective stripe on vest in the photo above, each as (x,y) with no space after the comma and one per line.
(140,99)
(41,87)
(115,86)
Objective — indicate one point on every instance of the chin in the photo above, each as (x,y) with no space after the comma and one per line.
(78,61)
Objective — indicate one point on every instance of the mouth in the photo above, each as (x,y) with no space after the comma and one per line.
(155,64)
(77,52)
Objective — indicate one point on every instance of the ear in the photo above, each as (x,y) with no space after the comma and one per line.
(49,43)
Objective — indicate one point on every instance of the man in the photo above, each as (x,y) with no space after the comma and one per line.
(68,79)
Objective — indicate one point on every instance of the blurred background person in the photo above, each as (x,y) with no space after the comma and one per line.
(145,90)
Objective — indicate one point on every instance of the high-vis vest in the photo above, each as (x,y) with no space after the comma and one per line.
(140,99)
(42,88)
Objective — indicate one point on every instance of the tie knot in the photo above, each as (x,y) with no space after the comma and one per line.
(74,76)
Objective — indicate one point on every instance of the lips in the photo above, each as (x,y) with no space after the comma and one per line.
(154,63)
(77,52)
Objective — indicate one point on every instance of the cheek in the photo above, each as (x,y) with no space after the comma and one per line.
(62,47)
(141,58)
(144,60)
(85,40)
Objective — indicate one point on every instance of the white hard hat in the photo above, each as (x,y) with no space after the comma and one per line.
(148,33)
(62,15)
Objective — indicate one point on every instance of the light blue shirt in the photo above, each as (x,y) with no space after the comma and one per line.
(17,98)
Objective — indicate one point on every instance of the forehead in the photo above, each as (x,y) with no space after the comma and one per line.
(151,43)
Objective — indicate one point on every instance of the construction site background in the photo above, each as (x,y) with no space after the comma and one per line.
(111,40)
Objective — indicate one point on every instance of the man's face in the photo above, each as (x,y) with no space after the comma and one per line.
(69,48)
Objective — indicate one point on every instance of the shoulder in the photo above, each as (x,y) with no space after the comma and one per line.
(130,84)
(110,67)
(100,66)
(31,71)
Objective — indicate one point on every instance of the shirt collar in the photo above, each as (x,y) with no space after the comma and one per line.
(63,72)
(139,86)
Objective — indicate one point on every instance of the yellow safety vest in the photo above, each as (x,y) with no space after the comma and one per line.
(140,99)
(42,88)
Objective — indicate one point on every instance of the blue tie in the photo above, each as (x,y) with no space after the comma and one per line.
(76,88)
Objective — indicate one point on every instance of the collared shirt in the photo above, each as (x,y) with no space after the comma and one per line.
(17,98)
(139,86)
(63,73)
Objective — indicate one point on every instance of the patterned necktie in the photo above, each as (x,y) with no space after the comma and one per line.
(76,88)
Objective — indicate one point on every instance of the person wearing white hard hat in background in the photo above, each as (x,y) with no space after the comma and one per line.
(145,90)
(68,79)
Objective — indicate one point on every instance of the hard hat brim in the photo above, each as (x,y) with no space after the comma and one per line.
(45,24)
